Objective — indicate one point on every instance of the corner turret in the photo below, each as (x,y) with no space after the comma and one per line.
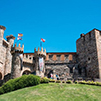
(2,29)
(40,53)
(17,61)
(10,39)
(40,61)
(8,65)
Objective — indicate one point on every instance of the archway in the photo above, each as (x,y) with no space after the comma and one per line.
(49,74)
(0,76)
(26,72)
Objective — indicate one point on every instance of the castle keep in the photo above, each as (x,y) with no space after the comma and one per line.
(85,63)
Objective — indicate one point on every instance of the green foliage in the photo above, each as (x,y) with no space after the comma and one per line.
(1,90)
(44,80)
(63,81)
(58,81)
(76,82)
(68,81)
(51,80)
(82,82)
(91,83)
(98,83)
(21,82)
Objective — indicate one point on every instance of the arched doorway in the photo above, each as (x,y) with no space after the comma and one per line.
(0,76)
(26,72)
(49,74)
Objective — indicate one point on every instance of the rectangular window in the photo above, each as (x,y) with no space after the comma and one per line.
(50,56)
(58,55)
(66,55)
(67,58)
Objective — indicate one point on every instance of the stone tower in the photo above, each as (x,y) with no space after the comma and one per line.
(10,40)
(89,54)
(40,61)
(2,29)
(2,52)
(17,61)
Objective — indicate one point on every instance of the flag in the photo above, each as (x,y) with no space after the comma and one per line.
(43,40)
(19,38)
(20,34)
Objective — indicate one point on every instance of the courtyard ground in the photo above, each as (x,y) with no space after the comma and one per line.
(55,92)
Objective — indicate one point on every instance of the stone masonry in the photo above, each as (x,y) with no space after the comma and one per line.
(89,54)
(85,63)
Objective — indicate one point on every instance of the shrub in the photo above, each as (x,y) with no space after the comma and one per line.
(44,80)
(91,83)
(97,83)
(82,82)
(88,82)
(63,81)
(68,81)
(76,82)
(58,81)
(21,82)
(1,91)
(51,80)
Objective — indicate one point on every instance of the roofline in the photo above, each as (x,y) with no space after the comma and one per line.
(88,33)
(28,53)
(55,53)
(61,53)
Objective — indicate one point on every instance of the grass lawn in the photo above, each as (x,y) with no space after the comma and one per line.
(55,92)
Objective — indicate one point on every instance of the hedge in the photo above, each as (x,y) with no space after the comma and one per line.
(44,80)
(18,83)
(58,81)
(52,80)
(69,81)
(90,83)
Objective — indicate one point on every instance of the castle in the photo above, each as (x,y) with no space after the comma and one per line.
(85,63)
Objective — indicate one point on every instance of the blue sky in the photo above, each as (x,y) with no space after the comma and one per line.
(60,22)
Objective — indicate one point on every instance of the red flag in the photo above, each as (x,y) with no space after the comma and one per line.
(43,40)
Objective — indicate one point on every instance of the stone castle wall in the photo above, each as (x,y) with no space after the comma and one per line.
(98,47)
(86,62)
(62,64)
(3,60)
(87,55)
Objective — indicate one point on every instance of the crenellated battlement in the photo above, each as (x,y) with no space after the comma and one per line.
(27,58)
(18,48)
(40,52)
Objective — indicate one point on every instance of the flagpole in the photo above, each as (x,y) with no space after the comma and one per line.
(16,41)
(40,44)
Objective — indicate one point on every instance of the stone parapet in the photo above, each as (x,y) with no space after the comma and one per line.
(40,53)
(18,49)
(28,58)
